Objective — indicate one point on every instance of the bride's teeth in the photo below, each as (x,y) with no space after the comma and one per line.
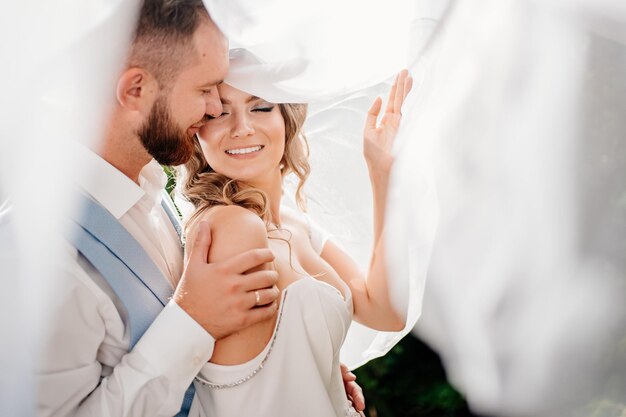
(244,150)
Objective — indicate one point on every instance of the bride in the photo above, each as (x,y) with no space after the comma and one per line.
(288,365)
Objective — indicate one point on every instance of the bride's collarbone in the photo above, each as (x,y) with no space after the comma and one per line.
(294,262)
(288,252)
(298,260)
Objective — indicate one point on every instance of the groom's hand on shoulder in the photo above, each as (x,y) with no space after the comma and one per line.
(224,296)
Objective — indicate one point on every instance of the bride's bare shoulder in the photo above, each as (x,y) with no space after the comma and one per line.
(234,229)
(230,215)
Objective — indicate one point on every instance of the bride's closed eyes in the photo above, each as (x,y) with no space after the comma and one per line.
(264,108)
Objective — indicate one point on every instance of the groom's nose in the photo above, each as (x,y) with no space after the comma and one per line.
(213,103)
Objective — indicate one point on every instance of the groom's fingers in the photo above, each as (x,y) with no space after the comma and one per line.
(353,390)
(356,395)
(262,313)
(266,296)
(260,280)
(248,260)
(346,374)
(201,243)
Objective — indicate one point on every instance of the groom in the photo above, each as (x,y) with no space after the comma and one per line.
(118,344)
(133,325)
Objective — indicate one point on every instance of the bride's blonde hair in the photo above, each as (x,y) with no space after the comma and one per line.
(204,188)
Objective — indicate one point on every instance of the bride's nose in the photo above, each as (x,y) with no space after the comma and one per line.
(242,127)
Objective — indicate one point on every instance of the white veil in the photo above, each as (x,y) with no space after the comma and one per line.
(336,56)
(508,189)
(518,154)
(60,60)
(509,186)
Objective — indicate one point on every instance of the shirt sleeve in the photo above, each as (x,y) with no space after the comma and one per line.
(86,369)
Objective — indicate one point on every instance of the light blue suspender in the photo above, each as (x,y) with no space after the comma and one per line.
(173,216)
(128,269)
(170,210)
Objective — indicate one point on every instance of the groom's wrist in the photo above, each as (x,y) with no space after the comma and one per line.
(176,345)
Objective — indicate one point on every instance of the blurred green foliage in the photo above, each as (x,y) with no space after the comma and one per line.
(409,381)
(171,178)
(611,402)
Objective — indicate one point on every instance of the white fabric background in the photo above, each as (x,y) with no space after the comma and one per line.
(508,189)
(59,62)
(517,153)
(336,56)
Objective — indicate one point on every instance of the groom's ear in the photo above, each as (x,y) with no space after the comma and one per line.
(136,90)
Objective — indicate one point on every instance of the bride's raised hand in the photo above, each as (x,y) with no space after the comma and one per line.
(378,138)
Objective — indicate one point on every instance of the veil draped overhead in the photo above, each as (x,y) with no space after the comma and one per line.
(336,56)
(508,189)
(518,154)
(509,185)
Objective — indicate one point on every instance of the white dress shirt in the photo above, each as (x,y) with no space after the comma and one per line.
(86,369)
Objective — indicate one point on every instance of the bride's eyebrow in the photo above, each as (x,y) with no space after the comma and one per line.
(249,99)
(253,98)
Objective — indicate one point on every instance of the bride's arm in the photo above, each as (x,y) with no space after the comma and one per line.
(370,291)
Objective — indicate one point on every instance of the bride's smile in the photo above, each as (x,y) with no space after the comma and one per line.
(244,152)
(247,141)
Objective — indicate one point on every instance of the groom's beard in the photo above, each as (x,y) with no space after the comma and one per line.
(165,141)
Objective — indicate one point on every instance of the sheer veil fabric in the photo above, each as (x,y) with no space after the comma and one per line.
(336,56)
(508,190)
(517,153)
(60,60)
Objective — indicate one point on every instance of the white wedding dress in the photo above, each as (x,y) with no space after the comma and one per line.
(297,374)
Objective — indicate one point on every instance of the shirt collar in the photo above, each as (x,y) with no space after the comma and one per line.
(152,180)
(115,191)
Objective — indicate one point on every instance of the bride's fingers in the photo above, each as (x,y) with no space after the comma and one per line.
(372,114)
(392,96)
(406,88)
(408,85)
(399,97)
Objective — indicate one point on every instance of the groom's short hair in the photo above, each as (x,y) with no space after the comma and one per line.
(163,41)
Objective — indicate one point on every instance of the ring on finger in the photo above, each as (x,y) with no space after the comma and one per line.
(257,298)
